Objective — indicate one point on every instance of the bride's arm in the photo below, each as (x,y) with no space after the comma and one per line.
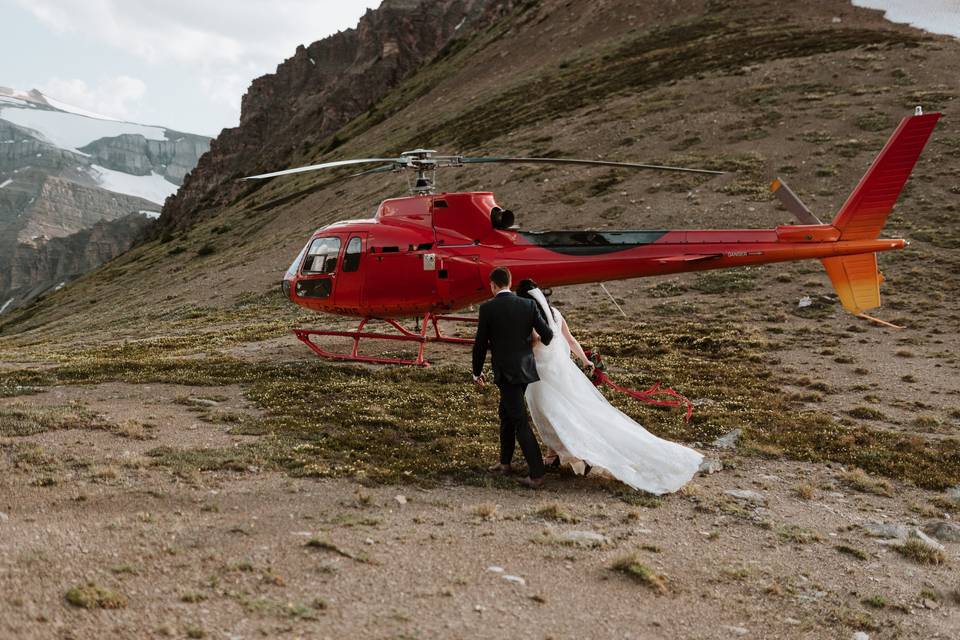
(574,345)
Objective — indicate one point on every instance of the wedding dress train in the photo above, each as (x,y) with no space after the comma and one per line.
(575,420)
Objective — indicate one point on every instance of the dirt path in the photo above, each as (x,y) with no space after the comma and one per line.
(253,554)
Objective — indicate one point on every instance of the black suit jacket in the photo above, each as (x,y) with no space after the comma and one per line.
(504,327)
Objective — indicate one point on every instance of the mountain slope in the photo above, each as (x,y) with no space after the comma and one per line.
(63,170)
(197,408)
(682,82)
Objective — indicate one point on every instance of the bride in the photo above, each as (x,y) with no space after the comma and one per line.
(584,430)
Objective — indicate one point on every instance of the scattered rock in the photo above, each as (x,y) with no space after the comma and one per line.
(401,499)
(3,517)
(728,441)
(954,493)
(516,580)
(887,530)
(495,569)
(584,538)
(859,635)
(791,621)
(941,530)
(203,402)
(925,539)
(710,465)
(737,631)
(930,604)
(900,532)
(746,494)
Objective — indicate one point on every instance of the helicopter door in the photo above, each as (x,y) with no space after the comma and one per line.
(459,280)
(350,280)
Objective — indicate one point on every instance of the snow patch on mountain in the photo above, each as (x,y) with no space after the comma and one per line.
(153,187)
(69,108)
(70,130)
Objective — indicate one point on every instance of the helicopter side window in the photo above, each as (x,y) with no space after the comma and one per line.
(322,256)
(351,258)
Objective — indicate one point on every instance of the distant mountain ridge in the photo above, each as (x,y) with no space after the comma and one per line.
(64,171)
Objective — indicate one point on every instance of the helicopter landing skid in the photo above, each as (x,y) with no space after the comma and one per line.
(419,335)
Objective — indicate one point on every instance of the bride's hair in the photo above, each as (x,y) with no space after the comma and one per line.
(525,287)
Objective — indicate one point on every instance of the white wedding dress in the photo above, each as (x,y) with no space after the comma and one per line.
(575,420)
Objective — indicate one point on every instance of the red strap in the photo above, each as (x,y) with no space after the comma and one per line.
(648,396)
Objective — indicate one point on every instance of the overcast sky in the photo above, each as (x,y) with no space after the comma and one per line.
(183,64)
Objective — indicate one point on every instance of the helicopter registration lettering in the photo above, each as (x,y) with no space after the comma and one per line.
(740,254)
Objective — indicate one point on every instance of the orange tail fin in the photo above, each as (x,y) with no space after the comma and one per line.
(865,212)
(855,277)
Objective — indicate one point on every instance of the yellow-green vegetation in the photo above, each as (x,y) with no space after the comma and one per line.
(25,420)
(557,512)
(853,552)
(195,631)
(862,481)
(393,424)
(921,552)
(485,510)
(94,596)
(805,491)
(798,535)
(875,602)
(632,565)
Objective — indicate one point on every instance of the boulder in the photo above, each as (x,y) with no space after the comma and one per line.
(729,440)
(943,530)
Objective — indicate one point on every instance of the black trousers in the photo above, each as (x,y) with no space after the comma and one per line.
(515,427)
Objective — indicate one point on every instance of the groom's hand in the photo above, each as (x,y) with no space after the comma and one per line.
(480,381)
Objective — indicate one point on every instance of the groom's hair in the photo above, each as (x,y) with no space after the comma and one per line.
(500,277)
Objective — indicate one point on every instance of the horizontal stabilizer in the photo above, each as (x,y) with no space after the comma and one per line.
(856,281)
(793,204)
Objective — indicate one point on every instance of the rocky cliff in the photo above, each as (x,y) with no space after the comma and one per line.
(60,229)
(46,265)
(134,154)
(294,111)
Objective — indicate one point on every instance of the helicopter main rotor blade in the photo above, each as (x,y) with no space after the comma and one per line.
(383,169)
(326,165)
(604,163)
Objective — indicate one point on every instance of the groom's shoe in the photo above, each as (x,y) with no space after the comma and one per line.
(500,469)
(531,483)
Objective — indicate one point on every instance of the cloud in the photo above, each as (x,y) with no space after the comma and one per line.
(115,97)
(214,49)
(199,32)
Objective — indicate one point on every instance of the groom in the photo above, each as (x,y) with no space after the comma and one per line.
(505,326)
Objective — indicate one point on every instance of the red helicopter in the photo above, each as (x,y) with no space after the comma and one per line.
(428,254)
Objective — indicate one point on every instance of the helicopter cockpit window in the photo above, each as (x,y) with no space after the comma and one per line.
(322,256)
(351,259)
